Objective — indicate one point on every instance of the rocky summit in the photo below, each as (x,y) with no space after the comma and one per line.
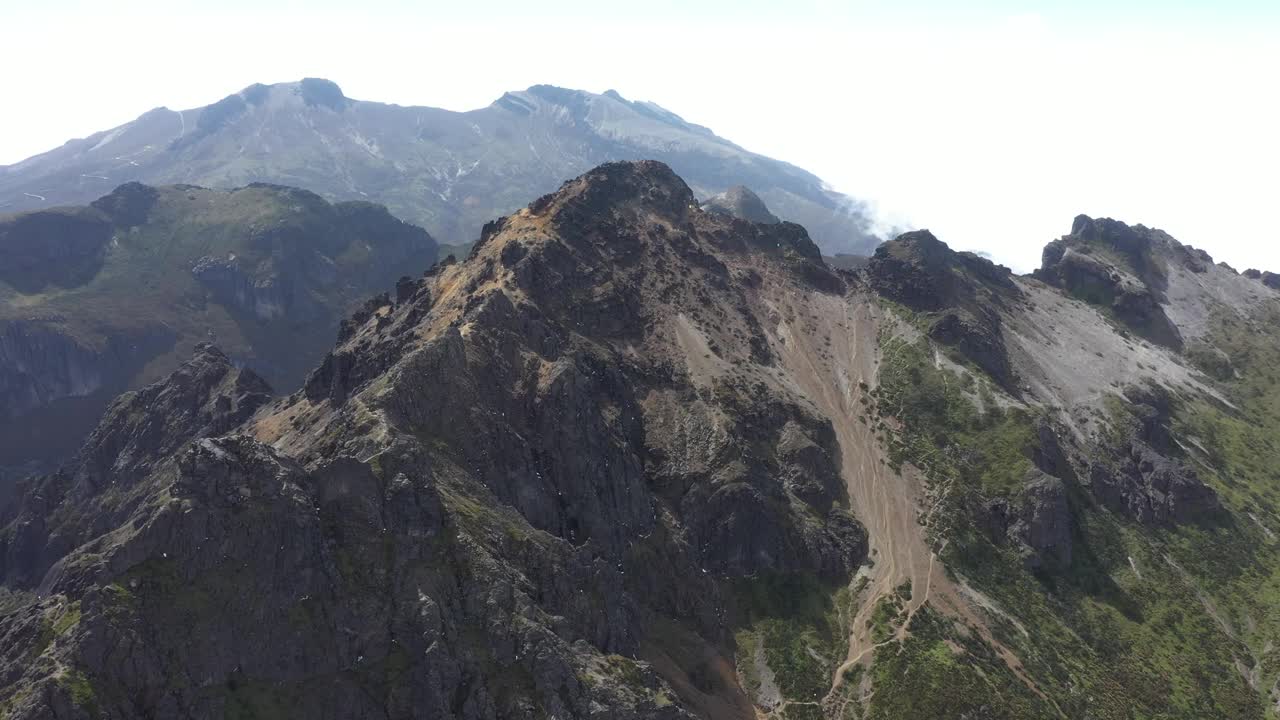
(637,456)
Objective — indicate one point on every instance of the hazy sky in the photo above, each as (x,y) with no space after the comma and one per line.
(992,125)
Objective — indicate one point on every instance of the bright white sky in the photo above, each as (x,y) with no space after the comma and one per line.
(993,125)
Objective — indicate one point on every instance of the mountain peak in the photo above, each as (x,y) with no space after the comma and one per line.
(318,92)
(616,183)
(1121,267)
(740,202)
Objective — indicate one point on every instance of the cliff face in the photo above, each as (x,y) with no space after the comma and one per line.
(635,459)
(97,300)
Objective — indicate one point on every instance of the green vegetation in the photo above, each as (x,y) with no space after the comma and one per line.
(953,427)
(70,618)
(9,701)
(145,285)
(1145,622)
(81,690)
(487,519)
(795,622)
(941,673)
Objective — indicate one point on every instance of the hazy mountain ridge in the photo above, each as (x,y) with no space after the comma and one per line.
(449,172)
(639,459)
(99,299)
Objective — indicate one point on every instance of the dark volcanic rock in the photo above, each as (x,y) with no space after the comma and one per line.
(1043,521)
(52,386)
(1152,488)
(1121,268)
(205,396)
(961,292)
(503,495)
(978,337)
(1038,519)
(1142,476)
(263,298)
(128,205)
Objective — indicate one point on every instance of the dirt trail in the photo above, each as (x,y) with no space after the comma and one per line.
(829,345)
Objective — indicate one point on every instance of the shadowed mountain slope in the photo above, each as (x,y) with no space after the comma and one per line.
(99,299)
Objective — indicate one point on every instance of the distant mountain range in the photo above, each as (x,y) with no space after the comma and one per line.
(449,172)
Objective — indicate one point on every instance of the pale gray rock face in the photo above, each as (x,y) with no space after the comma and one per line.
(741,203)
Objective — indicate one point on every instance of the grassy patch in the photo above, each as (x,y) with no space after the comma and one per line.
(69,619)
(952,427)
(1144,622)
(936,673)
(81,690)
(796,620)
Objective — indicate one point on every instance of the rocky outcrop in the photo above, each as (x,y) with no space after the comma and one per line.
(978,337)
(738,201)
(129,205)
(51,386)
(1119,268)
(264,298)
(138,433)
(1141,474)
(1270,279)
(319,92)
(959,293)
(1151,488)
(1037,521)
(204,397)
(38,366)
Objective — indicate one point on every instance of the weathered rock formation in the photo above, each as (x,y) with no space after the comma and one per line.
(1120,268)
(741,203)
(959,294)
